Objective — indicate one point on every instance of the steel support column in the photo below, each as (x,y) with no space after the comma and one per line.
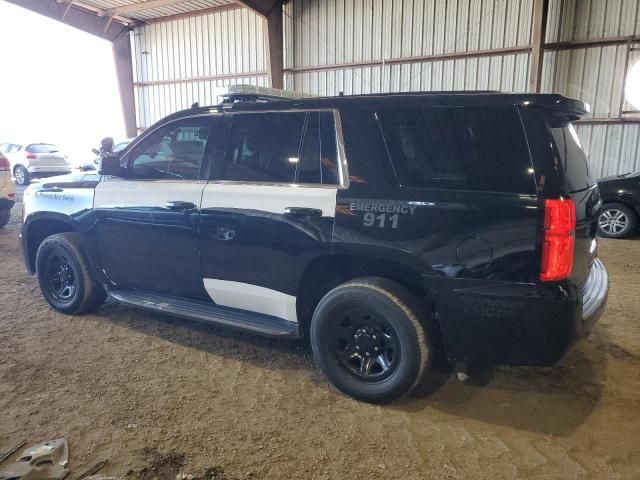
(540,13)
(124,72)
(271,10)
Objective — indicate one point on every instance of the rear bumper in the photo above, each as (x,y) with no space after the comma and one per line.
(519,324)
(51,170)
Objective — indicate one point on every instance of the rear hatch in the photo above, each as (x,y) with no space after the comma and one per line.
(583,190)
(46,155)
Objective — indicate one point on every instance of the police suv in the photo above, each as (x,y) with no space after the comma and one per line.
(382,227)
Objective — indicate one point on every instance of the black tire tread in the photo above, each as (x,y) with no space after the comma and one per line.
(412,309)
(5,215)
(93,295)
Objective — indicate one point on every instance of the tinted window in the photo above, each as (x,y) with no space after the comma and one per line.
(174,151)
(574,160)
(365,149)
(42,148)
(459,148)
(264,147)
(292,147)
(319,158)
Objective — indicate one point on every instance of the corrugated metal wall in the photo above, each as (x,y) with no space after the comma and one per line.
(368,46)
(596,75)
(179,62)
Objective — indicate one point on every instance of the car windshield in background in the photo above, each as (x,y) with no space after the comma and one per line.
(42,148)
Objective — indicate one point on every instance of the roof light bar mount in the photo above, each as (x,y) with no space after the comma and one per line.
(252,93)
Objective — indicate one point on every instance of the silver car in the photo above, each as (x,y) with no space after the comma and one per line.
(35,160)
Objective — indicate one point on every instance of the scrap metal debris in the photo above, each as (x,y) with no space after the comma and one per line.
(44,461)
(11,451)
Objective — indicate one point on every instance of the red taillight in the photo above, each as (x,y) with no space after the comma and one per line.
(559,240)
(31,156)
(4,164)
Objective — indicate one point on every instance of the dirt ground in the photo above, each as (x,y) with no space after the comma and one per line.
(157,396)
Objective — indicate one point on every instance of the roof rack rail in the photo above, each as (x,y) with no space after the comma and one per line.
(252,93)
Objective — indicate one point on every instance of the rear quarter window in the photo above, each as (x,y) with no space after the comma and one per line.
(572,157)
(458,148)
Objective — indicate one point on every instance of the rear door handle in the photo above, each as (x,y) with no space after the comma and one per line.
(303,212)
(180,206)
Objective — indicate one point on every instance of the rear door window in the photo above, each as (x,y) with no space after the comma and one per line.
(282,147)
(458,148)
(573,158)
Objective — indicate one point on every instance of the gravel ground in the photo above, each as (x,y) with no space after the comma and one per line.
(157,396)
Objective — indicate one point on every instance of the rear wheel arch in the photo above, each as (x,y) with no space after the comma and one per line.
(324,273)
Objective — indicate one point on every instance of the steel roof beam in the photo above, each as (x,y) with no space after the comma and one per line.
(138,7)
(75,16)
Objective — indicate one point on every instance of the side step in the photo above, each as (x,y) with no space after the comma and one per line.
(208,312)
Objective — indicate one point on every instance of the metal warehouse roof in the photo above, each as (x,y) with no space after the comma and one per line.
(145,10)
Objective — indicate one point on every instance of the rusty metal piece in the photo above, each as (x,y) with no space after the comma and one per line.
(92,471)
(11,451)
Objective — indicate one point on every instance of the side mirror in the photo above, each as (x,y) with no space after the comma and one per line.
(96,151)
(106,145)
(110,165)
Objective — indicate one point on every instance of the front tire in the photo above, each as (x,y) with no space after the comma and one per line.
(21,175)
(64,275)
(616,220)
(5,215)
(369,339)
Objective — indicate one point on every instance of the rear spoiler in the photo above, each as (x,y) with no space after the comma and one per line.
(560,110)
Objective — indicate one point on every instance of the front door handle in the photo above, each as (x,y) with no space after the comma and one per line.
(180,206)
(303,212)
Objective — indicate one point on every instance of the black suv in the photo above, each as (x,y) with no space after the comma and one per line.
(382,227)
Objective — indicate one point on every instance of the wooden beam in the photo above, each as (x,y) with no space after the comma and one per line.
(124,73)
(75,16)
(540,13)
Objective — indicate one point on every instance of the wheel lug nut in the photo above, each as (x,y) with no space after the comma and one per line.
(357,347)
(367,354)
(374,337)
(375,349)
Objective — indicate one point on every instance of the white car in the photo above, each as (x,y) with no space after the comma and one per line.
(35,160)
(7,191)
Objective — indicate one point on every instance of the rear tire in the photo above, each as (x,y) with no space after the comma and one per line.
(617,220)
(368,337)
(5,215)
(64,275)
(21,175)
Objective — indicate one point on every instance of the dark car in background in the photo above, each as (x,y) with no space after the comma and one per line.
(621,205)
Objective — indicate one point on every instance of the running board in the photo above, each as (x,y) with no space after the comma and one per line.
(209,312)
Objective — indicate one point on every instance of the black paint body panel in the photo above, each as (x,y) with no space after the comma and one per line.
(476,254)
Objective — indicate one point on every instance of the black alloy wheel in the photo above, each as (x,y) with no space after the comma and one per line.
(60,278)
(366,344)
